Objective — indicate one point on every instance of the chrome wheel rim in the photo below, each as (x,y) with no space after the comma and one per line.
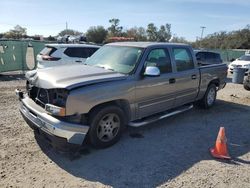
(108,127)
(211,96)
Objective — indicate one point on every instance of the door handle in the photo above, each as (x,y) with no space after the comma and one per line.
(193,76)
(172,80)
(77,61)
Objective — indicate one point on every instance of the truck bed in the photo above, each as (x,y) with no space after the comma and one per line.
(211,72)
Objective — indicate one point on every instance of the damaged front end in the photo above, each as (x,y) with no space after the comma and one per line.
(45,110)
(52,100)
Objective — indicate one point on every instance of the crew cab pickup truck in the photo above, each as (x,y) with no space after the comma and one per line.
(126,83)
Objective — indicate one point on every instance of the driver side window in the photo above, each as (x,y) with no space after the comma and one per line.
(159,58)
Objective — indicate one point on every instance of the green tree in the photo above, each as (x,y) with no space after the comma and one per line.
(139,34)
(50,38)
(177,39)
(152,32)
(69,32)
(142,34)
(164,33)
(96,34)
(115,30)
(16,33)
(161,35)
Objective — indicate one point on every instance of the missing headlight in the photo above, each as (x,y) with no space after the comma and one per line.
(58,97)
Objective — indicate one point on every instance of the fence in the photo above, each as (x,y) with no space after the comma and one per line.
(19,55)
(229,55)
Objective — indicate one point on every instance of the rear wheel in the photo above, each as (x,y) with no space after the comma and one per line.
(209,98)
(106,125)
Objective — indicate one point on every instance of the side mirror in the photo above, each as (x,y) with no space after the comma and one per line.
(152,71)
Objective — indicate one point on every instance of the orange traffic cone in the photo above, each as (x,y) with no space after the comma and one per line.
(220,149)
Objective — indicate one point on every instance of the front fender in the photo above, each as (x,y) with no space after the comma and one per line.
(82,100)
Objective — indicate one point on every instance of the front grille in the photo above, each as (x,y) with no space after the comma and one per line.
(44,96)
(38,95)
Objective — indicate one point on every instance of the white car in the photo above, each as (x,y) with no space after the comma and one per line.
(61,54)
(241,62)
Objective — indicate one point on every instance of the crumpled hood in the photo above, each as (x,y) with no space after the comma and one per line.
(71,76)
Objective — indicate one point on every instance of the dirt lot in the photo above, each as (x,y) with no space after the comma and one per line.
(170,153)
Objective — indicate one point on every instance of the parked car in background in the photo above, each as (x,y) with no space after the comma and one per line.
(207,58)
(241,62)
(61,54)
(126,83)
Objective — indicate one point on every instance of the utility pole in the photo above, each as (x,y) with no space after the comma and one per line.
(202,30)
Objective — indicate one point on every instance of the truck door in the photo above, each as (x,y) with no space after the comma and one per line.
(186,76)
(156,94)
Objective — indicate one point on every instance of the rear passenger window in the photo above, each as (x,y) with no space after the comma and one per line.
(159,58)
(218,58)
(210,56)
(74,52)
(200,56)
(79,52)
(183,59)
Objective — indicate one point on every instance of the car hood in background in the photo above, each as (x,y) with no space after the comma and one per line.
(240,62)
(71,76)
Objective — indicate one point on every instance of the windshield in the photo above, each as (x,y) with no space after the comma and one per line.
(117,58)
(245,58)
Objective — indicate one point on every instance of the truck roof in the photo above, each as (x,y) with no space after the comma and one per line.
(145,44)
(198,50)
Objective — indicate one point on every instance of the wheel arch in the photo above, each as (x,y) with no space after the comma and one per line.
(122,103)
(216,82)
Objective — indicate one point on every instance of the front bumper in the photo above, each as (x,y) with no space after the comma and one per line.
(37,118)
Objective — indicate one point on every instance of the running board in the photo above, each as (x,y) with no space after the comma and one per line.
(157,117)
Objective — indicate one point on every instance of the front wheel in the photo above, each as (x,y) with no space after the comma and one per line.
(106,125)
(209,98)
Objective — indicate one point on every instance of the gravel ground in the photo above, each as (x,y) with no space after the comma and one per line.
(170,153)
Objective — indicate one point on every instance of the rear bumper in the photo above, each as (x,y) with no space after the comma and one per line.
(53,128)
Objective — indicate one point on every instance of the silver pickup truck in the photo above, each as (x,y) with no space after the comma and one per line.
(128,83)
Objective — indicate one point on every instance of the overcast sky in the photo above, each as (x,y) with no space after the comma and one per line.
(49,17)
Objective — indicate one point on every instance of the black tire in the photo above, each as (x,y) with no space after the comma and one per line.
(106,126)
(208,101)
(246,86)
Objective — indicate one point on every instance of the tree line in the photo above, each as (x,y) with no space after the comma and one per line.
(239,39)
(100,34)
